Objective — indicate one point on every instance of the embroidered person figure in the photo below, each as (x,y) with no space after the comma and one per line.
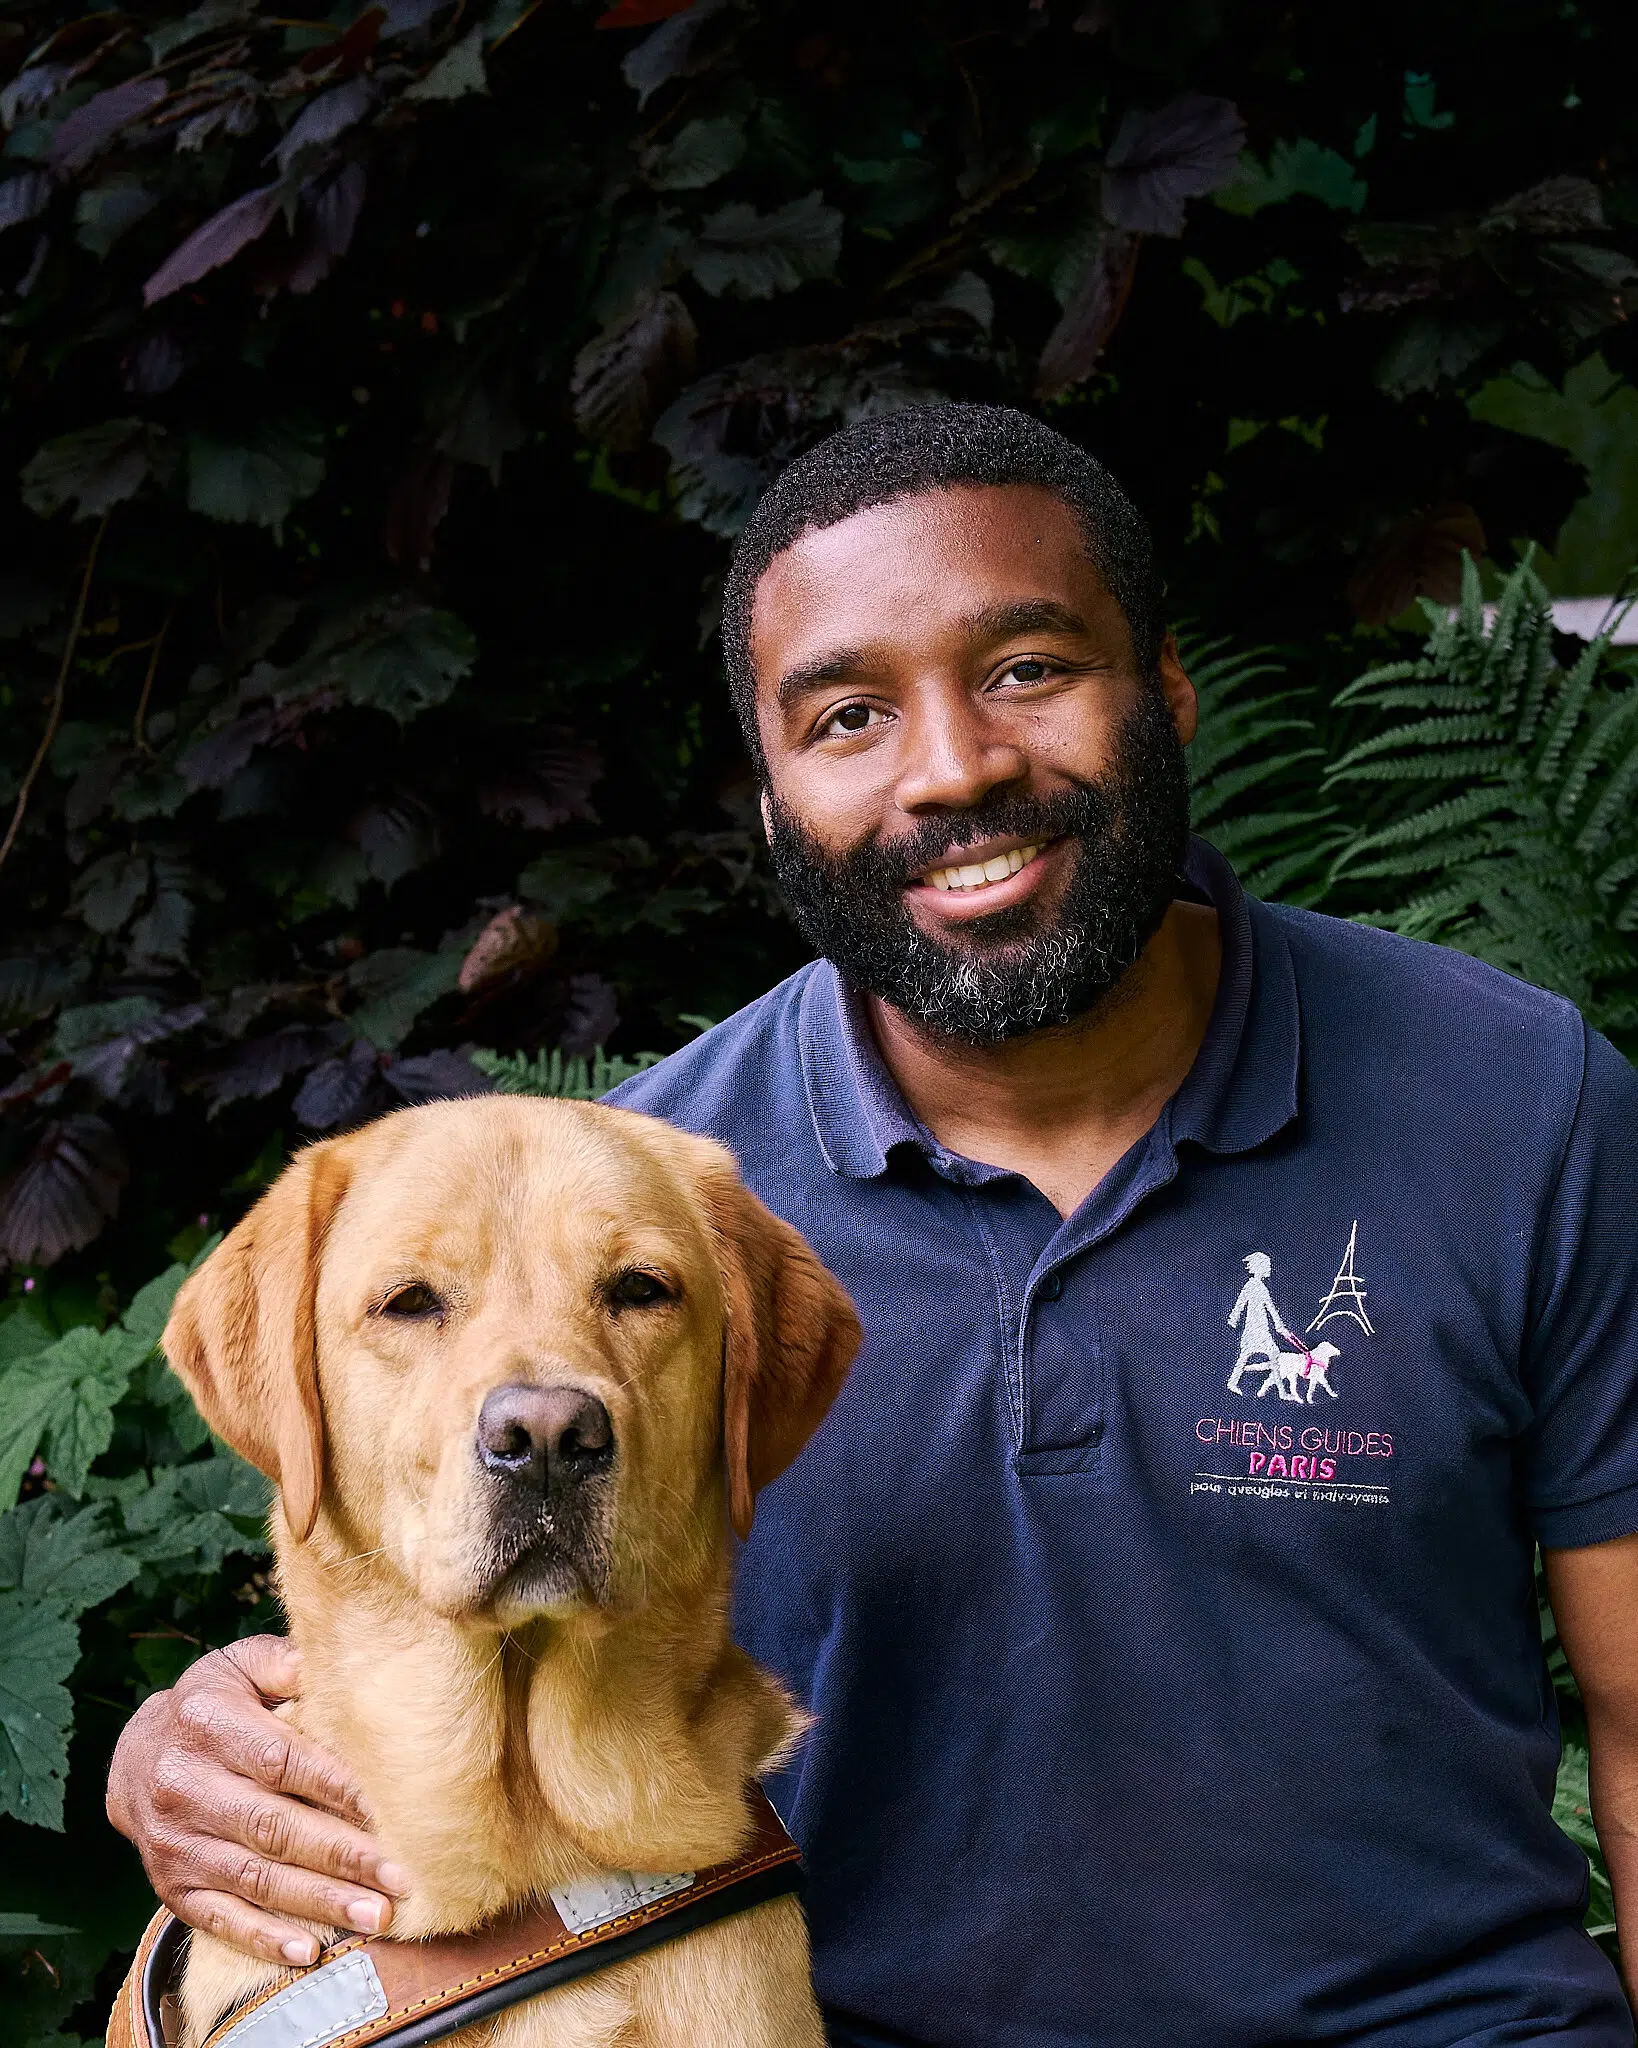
(1257,1319)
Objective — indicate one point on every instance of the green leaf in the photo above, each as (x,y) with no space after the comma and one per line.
(255,483)
(1299,169)
(195,1516)
(104,213)
(94,469)
(38,1649)
(699,154)
(66,1559)
(458,71)
(25,1927)
(396,985)
(60,1403)
(410,662)
(566,884)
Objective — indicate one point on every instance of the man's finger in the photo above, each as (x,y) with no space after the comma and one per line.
(254,1743)
(243,1928)
(271,1663)
(288,1833)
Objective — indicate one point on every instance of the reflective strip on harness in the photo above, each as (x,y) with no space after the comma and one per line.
(412,1993)
(317,2009)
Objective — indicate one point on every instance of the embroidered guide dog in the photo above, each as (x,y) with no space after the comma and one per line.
(515,1365)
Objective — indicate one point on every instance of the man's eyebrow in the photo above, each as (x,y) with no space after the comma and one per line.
(832,667)
(1024,615)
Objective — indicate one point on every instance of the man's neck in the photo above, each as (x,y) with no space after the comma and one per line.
(1062,1105)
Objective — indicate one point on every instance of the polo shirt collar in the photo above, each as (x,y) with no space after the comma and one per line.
(1240,1091)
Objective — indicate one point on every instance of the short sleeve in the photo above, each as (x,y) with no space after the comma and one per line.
(1582,1366)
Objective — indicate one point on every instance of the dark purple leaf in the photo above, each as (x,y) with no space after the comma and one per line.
(63,1193)
(212,763)
(553,786)
(32,88)
(95,124)
(217,242)
(437,1077)
(257,1068)
(591,1015)
(405,16)
(327,229)
(24,198)
(324,118)
(1187,148)
(1419,556)
(336,1092)
(417,508)
(1091,316)
(154,364)
(90,790)
(670,52)
(626,377)
(395,838)
(1557,206)
(483,429)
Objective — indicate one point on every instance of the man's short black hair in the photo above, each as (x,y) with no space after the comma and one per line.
(926,448)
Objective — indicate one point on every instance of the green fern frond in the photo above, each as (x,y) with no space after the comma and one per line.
(549,1073)
(1497,794)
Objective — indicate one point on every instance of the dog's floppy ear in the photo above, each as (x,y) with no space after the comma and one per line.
(241,1335)
(790,1338)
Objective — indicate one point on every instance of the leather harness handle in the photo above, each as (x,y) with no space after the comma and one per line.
(375,1989)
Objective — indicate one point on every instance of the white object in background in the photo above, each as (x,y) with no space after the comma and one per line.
(1586,617)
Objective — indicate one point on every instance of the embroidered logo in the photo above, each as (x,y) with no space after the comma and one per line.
(1301,1459)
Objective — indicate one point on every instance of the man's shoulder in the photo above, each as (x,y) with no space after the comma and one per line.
(1397,985)
(732,1078)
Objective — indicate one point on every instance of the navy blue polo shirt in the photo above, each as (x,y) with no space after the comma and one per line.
(1161,1579)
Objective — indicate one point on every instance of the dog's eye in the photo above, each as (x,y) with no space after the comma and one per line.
(412,1304)
(636,1288)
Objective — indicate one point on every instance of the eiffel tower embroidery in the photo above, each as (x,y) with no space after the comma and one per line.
(1347,1295)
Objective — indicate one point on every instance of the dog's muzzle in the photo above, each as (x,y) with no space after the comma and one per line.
(547,1456)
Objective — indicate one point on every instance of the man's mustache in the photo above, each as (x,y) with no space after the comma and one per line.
(897,860)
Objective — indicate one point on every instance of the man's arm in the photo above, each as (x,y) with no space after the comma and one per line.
(240,1819)
(1595,1603)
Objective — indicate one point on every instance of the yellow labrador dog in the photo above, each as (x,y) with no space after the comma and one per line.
(515,1366)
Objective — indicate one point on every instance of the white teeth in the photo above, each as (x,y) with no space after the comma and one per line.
(974,874)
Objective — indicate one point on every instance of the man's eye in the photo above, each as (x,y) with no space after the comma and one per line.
(1030,670)
(850,718)
(413,1304)
(636,1288)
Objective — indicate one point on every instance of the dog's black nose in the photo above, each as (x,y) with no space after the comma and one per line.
(542,1433)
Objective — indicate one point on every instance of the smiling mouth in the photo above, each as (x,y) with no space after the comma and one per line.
(979,874)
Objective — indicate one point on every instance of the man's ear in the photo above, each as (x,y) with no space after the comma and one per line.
(241,1333)
(790,1338)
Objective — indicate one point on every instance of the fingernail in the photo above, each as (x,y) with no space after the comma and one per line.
(391,1878)
(367,1916)
(304,1949)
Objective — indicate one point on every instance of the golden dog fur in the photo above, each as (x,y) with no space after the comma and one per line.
(508,1739)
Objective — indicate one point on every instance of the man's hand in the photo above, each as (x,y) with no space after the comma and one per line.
(239,1818)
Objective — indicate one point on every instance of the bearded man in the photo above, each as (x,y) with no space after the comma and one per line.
(1140,1718)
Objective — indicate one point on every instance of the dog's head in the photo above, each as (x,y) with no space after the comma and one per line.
(519,1349)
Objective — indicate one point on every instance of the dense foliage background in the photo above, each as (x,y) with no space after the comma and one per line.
(380,392)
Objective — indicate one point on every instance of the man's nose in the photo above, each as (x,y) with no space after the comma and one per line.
(541,1436)
(954,757)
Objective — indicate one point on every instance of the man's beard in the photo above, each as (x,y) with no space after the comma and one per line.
(1022,968)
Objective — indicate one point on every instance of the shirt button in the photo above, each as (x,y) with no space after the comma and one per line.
(1052,1286)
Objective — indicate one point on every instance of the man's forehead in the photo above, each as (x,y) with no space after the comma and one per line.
(965,558)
